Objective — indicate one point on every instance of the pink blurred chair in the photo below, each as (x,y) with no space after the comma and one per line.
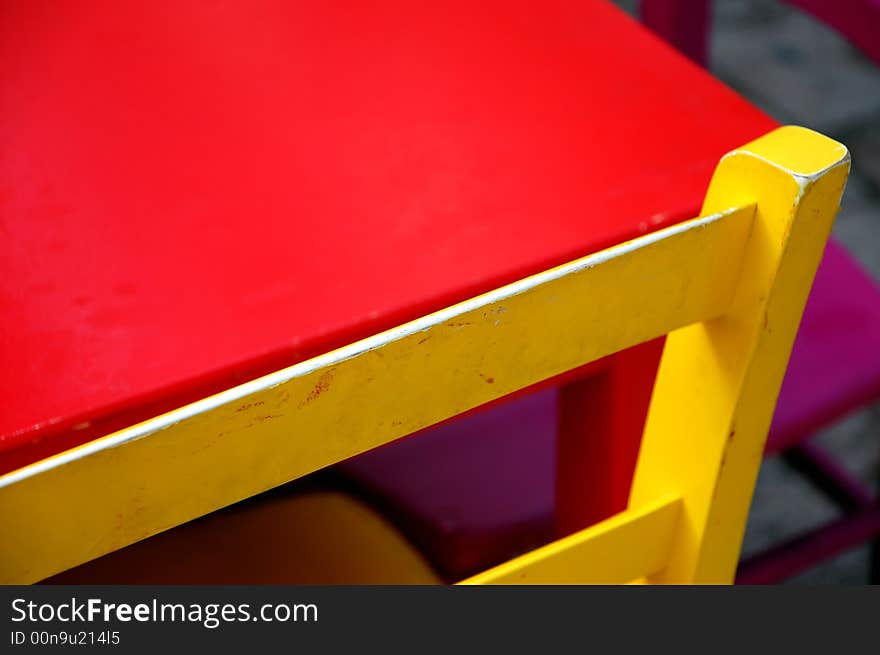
(685,23)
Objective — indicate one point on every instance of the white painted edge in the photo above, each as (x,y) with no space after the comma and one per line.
(235,394)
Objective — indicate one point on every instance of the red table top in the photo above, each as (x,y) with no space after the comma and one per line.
(192,194)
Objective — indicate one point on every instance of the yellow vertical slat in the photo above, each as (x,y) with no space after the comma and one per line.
(718,380)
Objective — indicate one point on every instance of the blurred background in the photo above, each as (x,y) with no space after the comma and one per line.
(800,71)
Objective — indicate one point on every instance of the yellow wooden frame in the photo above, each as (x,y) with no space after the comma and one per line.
(729,288)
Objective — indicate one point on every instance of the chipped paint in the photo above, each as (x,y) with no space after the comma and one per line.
(370,344)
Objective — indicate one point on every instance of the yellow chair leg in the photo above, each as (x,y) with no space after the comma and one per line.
(718,380)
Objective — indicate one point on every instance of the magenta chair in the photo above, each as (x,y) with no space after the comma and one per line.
(436,488)
(835,366)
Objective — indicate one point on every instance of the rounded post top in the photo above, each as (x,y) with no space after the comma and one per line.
(800,151)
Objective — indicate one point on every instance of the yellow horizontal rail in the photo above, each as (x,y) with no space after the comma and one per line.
(137,482)
(631,545)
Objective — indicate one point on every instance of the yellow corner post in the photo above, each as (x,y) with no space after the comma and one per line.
(718,380)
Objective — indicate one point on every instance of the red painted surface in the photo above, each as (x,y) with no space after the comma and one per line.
(194,194)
